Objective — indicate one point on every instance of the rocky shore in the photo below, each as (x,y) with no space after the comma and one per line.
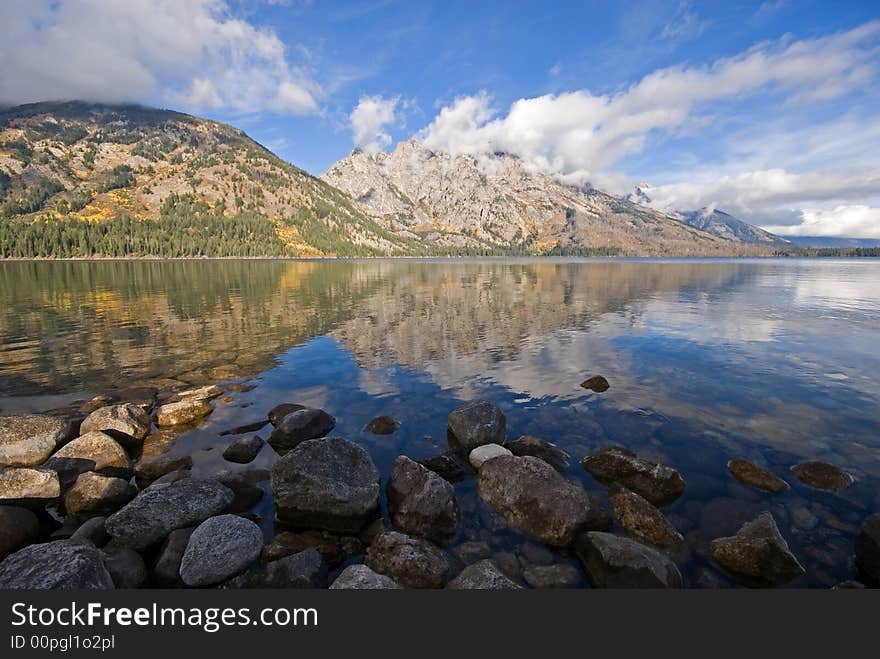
(85,504)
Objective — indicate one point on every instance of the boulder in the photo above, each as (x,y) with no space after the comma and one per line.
(411,562)
(303,570)
(822,475)
(475,424)
(28,487)
(558,575)
(27,440)
(18,527)
(659,484)
(128,419)
(540,448)
(452,466)
(421,503)
(360,577)
(166,572)
(94,493)
(535,499)
(642,520)
(748,473)
(334,549)
(482,575)
(244,450)
(615,562)
(327,484)
(486,452)
(277,413)
(868,550)
(92,531)
(757,555)
(300,426)
(60,565)
(218,549)
(126,567)
(155,513)
(247,495)
(150,469)
(182,412)
(383,425)
(596,383)
(95,451)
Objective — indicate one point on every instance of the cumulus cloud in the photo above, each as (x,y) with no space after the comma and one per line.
(369,119)
(191,53)
(851,221)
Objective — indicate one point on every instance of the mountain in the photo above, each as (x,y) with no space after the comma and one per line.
(497,203)
(833,241)
(727,226)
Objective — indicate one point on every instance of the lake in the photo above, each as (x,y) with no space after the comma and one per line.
(774,361)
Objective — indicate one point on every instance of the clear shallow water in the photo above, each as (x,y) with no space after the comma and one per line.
(773,361)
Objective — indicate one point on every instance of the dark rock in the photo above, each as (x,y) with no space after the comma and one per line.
(92,531)
(220,548)
(596,383)
(243,450)
(482,575)
(166,572)
(61,565)
(535,554)
(422,503)
(849,585)
(182,412)
(247,495)
(659,484)
(822,475)
(334,549)
(148,470)
(300,426)
(18,527)
(253,426)
(126,567)
(471,552)
(748,473)
(328,484)
(868,549)
(539,448)
(559,575)
(128,419)
(509,564)
(95,451)
(615,562)
(27,440)
(170,477)
(757,555)
(642,520)
(383,425)
(277,413)
(452,466)
(303,570)
(29,487)
(475,424)
(411,562)
(94,493)
(360,577)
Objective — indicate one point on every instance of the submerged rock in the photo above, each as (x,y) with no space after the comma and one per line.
(247,495)
(482,575)
(18,527)
(615,562)
(475,424)
(95,451)
(277,413)
(300,426)
(305,569)
(166,572)
(334,549)
(360,577)
(540,448)
(94,493)
(183,412)
(126,418)
(421,503)
(60,565)
(451,466)
(748,473)
(757,555)
(383,425)
(486,452)
(558,575)
(659,484)
(220,548)
(822,475)
(411,562)
(28,440)
(868,549)
(596,383)
(642,520)
(29,487)
(244,450)
(208,392)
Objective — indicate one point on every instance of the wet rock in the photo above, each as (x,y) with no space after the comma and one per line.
(128,419)
(303,570)
(95,451)
(642,520)
(596,383)
(150,469)
(142,397)
(539,448)
(243,450)
(208,392)
(253,426)
(94,493)
(471,552)
(475,424)
(535,554)
(535,498)
(28,487)
(18,527)
(61,565)
(277,413)
(615,562)
(220,548)
(360,577)
(451,466)
(300,426)
(411,562)
(155,513)
(486,452)
(748,473)
(166,572)
(170,477)
(509,564)
(822,475)
(126,567)
(383,425)
(803,518)
(328,484)
(28,440)
(482,575)
(334,549)
(757,555)
(659,484)
(552,576)
(247,495)
(422,503)
(868,549)
(182,412)
(92,531)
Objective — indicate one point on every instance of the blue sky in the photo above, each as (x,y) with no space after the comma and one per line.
(766,109)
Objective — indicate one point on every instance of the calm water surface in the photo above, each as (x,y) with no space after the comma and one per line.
(773,361)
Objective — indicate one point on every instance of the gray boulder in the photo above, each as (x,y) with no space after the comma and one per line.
(411,562)
(220,548)
(128,419)
(18,527)
(29,487)
(360,577)
(61,565)
(540,448)
(615,562)
(475,424)
(300,426)
(659,484)
(482,575)
(757,555)
(27,440)
(94,493)
(166,572)
(244,450)
(421,503)
(305,569)
(126,567)
(868,549)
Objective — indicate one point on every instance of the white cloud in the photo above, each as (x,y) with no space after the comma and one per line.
(369,119)
(193,53)
(850,221)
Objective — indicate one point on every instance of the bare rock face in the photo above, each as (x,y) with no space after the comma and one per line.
(28,487)
(615,562)
(94,493)
(219,548)
(822,475)
(28,440)
(182,412)
(421,503)
(642,520)
(757,555)
(126,418)
(748,473)
(475,424)
(60,565)
(482,575)
(659,484)
(300,426)
(94,451)
(18,527)
(540,448)
(360,577)
(411,562)
(868,550)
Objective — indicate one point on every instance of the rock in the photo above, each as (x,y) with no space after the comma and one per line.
(28,487)
(220,548)
(471,552)
(182,412)
(126,567)
(61,565)
(277,413)
(300,426)
(535,498)
(849,584)
(868,549)
(142,397)
(659,484)
(757,555)
(748,473)
(253,426)
(486,452)
(128,419)
(155,513)
(18,527)
(615,562)
(421,503)
(94,493)
(29,439)
(95,451)
(536,554)
(558,575)
(360,577)
(451,466)
(166,572)
(334,549)
(803,518)
(150,469)
(475,424)
(243,450)
(822,475)
(509,564)
(328,484)
(247,495)
(539,448)
(205,393)
(92,531)
(642,520)
(383,425)
(411,562)
(482,575)
(170,477)
(596,383)
(303,570)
